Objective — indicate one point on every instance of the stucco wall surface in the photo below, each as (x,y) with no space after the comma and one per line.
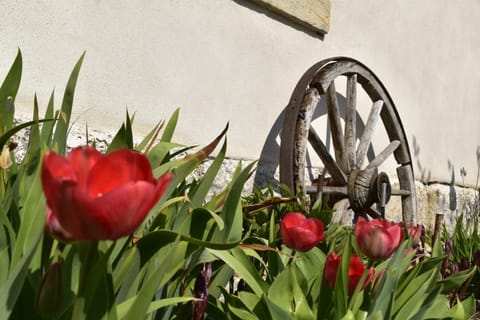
(230,60)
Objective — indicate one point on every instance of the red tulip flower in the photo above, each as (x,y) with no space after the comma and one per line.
(415,232)
(300,233)
(355,271)
(378,238)
(91,196)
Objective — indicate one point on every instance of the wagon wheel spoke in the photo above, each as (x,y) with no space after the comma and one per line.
(374,213)
(338,191)
(400,192)
(351,121)
(336,126)
(382,156)
(332,167)
(366,136)
(349,162)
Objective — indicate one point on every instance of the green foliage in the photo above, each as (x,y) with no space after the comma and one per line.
(460,268)
(111,279)
(155,272)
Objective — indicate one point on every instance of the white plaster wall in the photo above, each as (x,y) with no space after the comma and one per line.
(226,60)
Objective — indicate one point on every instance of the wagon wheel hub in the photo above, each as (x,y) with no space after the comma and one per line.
(338,128)
(365,188)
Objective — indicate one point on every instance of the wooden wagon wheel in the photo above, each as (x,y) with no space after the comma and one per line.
(348,172)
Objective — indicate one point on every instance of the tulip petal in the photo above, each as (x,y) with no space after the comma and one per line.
(300,233)
(378,238)
(302,239)
(55,229)
(78,213)
(55,171)
(331,268)
(116,169)
(124,208)
(82,159)
(356,269)
(96,197)
(396,233)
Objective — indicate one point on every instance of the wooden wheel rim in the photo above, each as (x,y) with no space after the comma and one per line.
(317,81)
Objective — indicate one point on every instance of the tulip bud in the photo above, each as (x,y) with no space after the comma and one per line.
(201,290)
(301,233)
(448,246)
(48,298)
(92,196)
(416,232)
(464,264)
(5,161)
(355,271)
(454,268)
(378,238)
(476,258)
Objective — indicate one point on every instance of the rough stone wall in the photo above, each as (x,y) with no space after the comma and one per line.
(450,200)
(432,199)
(235,61)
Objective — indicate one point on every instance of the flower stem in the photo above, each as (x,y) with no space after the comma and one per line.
(88,253)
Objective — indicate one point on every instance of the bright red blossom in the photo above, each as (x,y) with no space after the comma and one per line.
(300,233)
(355,271)
(378,238)
(415,232)
(91,196)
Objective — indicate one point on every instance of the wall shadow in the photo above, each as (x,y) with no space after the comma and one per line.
(456,202)
(267,173)
(425,174)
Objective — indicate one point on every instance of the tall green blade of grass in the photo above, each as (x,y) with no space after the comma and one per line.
(61,130)
(47,128)
(8,91)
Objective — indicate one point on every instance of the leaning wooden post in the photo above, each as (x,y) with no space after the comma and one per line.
(438,226)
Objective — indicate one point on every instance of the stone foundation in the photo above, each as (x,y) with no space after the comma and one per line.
(449,200)
(433,198)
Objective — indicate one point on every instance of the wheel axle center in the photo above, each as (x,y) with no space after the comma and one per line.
(365,188)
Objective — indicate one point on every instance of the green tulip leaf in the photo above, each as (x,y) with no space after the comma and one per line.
(200,219)
(349,316)
(220,278)
(309,262)
(47,128)
(123,307)
(8,91)
(462,310)
(10,290)
(201,192)
(384,299)
(160,272)
(236,259)
(276,312)
(147,141)
(170,127)
(131,260)
(454,281)
(7,135)
(155,240)
(159,152)
(33,215)
(341,282)
(241,313)
(250,300)
(232,213)
(420,294)
(287,291)
(124,136)
(237,307)
(61,130)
